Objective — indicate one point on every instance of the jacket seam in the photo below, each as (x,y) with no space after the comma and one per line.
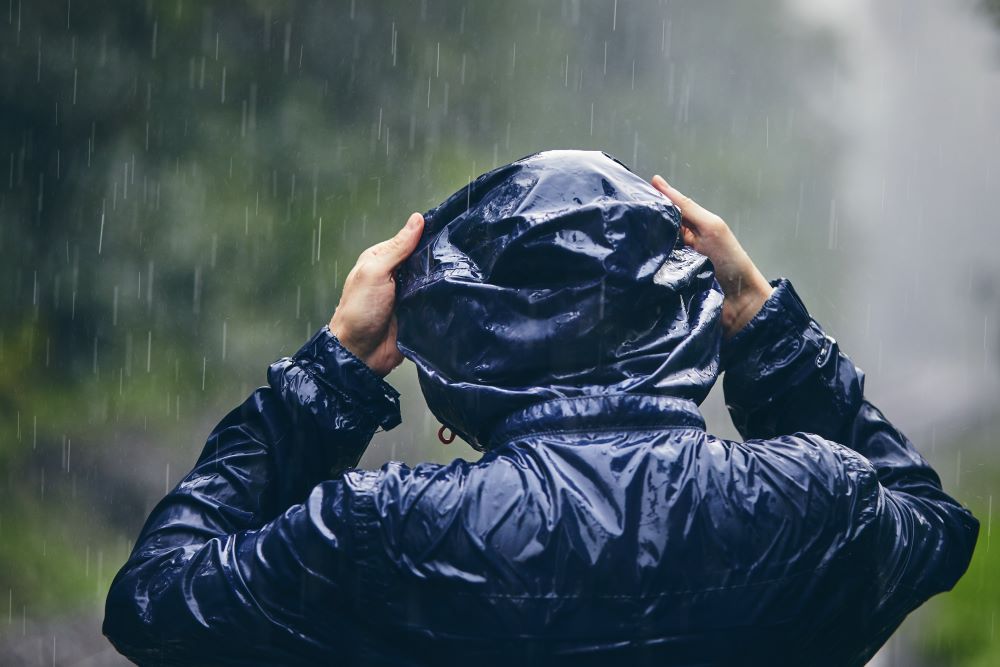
(602,429)
(512,433)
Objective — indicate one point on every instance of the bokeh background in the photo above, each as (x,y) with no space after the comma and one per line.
(184,185)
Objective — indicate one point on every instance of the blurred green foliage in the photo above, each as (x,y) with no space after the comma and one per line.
(961,628)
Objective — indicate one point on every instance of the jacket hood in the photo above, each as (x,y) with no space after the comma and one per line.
(559,275)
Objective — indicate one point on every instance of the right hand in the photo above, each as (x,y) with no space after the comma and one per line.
(744,287)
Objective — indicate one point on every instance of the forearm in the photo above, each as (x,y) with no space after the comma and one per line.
(785,375)
(313,420)
(334,403)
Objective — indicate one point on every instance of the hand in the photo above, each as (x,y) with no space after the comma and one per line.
(744,287)
(364,321)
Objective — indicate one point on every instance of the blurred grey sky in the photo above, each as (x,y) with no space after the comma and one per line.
(916,102)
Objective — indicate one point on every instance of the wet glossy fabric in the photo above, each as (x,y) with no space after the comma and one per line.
(601,527)
(562,274)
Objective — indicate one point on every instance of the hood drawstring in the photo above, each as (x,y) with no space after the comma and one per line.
(441,436)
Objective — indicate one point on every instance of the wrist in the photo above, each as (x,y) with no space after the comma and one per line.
(739,310)
(333,366)
(342,334)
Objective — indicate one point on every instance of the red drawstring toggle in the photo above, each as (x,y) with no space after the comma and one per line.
(442,438)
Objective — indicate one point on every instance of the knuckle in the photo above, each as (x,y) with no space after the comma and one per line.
(362,270)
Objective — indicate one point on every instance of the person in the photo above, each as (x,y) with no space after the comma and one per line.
(567,318)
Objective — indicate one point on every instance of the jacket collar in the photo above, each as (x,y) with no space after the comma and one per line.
(629,412)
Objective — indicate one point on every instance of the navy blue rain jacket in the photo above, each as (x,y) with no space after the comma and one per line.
(558,324)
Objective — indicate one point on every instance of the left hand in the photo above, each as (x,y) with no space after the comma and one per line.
(364,321)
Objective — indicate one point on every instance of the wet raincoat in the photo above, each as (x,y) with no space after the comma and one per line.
(559,325)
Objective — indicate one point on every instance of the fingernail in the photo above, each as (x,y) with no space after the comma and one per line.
(412,221)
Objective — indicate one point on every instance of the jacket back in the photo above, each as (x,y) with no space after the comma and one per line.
(603,523)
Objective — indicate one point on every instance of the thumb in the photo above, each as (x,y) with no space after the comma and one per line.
(387,255)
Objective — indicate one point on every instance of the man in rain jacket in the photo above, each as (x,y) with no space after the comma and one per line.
(566,318)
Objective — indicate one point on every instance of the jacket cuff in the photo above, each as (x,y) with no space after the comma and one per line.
(782,315)
(334,367)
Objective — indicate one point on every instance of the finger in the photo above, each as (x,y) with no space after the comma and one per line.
(691,211)
(683,202)
(387,255)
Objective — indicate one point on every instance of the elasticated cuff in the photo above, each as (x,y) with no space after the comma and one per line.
(335,367)
(782,315)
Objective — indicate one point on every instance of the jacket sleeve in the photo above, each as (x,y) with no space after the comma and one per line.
(783,375)
(218,574)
